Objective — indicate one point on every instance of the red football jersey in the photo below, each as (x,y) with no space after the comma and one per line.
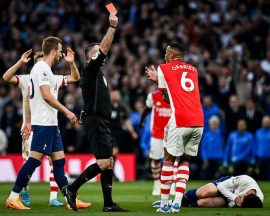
(181,82)
(161,113)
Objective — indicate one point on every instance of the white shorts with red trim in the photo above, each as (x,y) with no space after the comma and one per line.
(26,146)
(182,140)
(156,150)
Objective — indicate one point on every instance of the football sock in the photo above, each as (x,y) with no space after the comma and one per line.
(156,168)
(13,196)
(175,169)
(181,181)
(166,181)
(106,184)
(53,184)
(25,174)
(191,195)
(194,204)
(89,173)
(59,173)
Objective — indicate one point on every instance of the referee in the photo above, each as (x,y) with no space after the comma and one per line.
(96,117)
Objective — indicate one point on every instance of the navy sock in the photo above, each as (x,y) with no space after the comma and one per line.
(25,174)
(59,173)
(191,195)
(106,184)
(89,173)
(194,204)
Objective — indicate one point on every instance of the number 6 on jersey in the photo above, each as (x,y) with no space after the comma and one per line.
(185,80)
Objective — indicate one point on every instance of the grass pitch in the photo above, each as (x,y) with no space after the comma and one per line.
(135,196)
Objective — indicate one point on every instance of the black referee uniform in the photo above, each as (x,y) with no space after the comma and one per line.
(97,107)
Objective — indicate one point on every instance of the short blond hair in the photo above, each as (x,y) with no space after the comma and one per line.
(50,43)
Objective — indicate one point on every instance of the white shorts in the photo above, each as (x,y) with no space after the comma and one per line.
(182,140)
(26,146)
(156,150)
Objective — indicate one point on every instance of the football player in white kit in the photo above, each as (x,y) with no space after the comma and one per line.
(22,81)
(229,191)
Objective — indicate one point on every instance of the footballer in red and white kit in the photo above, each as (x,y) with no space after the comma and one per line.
(185,127)
(161,113)
(178,82)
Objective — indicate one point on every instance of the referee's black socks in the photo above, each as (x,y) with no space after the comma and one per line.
(89,173)
(106,184)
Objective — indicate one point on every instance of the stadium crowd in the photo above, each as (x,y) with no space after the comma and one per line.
(227,40)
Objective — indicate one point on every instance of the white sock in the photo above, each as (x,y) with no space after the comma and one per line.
(53,195)
(53,186)
(13,196)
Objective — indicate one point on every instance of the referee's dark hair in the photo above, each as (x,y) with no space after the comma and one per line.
(252,201)
(178,47)
(88,49)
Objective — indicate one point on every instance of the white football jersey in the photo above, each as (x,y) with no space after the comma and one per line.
(23,83)
(41,112)
(238,185)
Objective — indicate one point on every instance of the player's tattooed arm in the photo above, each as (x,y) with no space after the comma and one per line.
(108,38)
(165,96)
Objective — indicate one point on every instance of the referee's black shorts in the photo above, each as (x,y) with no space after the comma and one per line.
(99,136)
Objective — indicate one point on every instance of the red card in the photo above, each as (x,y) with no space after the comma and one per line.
(111,8)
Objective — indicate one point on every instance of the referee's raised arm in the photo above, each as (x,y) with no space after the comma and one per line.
(108,38)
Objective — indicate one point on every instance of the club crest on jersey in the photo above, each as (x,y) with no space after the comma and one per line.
(105,81)
(158,103)
(44,76)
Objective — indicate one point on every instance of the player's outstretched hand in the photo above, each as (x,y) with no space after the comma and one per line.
(25,56)
(69,57)
(113,19)
(151,73)
(26,131)
(72,117)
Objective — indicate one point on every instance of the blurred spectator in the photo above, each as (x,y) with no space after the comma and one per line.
(121,127)
(209,109)
(262,149)
(212,149)
(265,63)
(253,116)
(234,113)
(11,124)
(73,136)
(243,86)
(239,152)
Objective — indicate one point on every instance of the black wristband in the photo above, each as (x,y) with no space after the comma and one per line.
(112,26)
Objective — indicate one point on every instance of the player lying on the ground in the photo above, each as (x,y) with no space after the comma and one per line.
(229,191)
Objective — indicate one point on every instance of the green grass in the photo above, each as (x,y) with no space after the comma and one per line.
(135,196)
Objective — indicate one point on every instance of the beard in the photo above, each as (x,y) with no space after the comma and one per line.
(56,61)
